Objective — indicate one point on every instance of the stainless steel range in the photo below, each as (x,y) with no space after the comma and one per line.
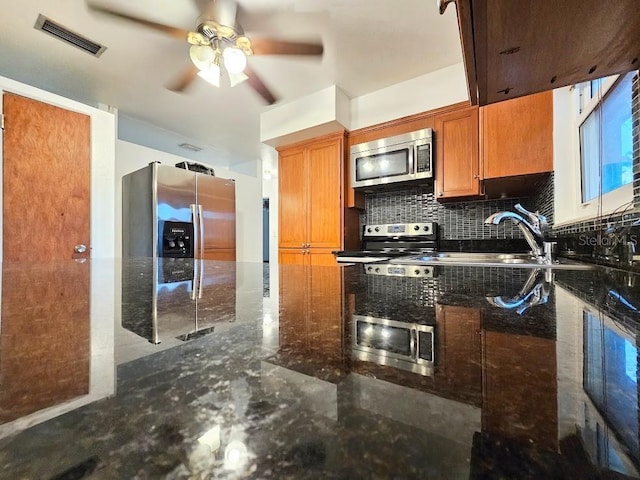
(392,240)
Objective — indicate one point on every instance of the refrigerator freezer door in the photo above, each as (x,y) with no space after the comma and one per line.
(175,195)
(217,198)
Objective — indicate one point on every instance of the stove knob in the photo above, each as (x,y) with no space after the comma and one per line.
(369,229)
(427,271)
(416,228)
(377,270)
(417,272)
(369,269)
(426,228)
(377,229)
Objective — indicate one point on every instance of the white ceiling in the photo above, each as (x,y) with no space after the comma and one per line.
(369,45)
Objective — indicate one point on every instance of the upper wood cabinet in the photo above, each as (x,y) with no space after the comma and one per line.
(457,154)
(312,219)
(513,49)
(517,136)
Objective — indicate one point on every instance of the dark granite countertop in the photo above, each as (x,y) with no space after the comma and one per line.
(183,370)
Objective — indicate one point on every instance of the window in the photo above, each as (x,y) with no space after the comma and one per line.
(606,147)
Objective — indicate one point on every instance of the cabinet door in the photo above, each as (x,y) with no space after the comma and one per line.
(325,194)
(457,162)
(517,136)
(292,179)
(292,256)
(322,257)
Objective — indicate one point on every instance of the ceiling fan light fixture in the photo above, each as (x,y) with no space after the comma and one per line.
(211,75)
(235,61)
(237,78)
(202,56)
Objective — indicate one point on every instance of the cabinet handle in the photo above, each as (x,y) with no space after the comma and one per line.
(440,194)
(442,5)
(475,177)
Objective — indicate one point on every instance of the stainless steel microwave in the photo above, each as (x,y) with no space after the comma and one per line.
(402,158)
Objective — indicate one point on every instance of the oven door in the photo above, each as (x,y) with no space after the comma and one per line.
(388,342)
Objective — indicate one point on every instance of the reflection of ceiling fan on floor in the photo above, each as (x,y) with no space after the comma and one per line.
(218,45)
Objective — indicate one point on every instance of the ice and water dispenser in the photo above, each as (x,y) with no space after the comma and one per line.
(177,239)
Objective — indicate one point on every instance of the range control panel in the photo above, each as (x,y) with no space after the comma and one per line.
(391,230)
(415,271)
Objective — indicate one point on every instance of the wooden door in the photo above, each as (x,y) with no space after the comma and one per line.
(292,184)
(46,181)
(325,194)
(457,154)
(517,136)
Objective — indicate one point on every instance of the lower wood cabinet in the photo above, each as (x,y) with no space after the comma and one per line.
(315,256)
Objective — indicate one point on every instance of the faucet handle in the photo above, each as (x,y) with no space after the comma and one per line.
(536,218)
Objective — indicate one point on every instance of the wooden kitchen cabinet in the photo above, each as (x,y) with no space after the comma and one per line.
(517,136)
(457,154)
(312,217)
(512,49)
(516,142)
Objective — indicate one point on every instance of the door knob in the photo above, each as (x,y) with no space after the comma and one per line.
(80,248)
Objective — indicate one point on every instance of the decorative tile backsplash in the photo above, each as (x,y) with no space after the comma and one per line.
(456,220)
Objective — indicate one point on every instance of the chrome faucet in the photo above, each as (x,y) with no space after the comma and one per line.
(533,227)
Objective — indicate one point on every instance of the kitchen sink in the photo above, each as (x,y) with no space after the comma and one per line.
(523,260)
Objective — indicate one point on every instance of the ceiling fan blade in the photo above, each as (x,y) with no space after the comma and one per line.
(267,46)
(185,79)
(255,83)
(173,31)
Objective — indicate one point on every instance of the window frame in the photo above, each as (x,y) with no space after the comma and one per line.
(585,105)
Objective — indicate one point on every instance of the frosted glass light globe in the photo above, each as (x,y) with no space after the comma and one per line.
(235,60)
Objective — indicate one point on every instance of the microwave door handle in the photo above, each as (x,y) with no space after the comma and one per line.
(412,156)
(414,343)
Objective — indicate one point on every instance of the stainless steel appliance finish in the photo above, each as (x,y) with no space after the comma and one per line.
(402,158)
(157,194)
(408,346)
(399,270)
(385,241)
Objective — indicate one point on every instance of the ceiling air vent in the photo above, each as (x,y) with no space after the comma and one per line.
(188,146)
(62,33)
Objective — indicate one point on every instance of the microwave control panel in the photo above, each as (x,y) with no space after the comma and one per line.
(423,158)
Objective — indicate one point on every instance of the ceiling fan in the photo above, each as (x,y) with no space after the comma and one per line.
(218,44)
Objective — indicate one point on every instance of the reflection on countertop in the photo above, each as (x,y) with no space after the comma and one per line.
(202,369)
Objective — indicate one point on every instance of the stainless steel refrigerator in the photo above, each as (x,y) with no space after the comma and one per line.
(173,212)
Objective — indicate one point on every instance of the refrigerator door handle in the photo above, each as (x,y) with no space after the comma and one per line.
(201,278)
(196,233)
(194,284)
(201,230)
